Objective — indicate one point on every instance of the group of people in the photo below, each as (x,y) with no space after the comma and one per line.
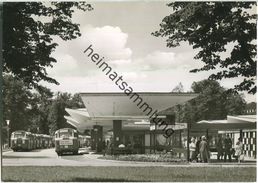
(200,150)
(225,149)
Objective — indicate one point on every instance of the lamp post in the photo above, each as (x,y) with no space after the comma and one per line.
(8,129)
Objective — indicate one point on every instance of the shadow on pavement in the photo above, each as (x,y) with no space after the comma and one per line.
(9,157)
(84,179)
(69,154)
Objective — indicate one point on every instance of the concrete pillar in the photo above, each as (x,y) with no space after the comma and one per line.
(147,143)
(155,139)
(93,138)
(98,137)
(117,132)
(151,141)
(241,133)
(188,140)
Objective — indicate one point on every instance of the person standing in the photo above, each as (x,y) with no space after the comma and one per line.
(204,150)
(219,147)
(197,152)
(104,147)
(228,148)
(192,148)
(239,149)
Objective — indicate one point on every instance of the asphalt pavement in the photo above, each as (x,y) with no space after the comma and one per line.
(48,157)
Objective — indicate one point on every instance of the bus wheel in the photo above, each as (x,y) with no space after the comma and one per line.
(75,152)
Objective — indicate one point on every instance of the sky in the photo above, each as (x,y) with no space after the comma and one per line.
(121,33)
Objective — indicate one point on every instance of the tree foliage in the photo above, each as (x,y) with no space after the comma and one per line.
(57,110)
(178,88)
(28,30)
(212,103)
(214,28)
(40,109)
(16,100)
(33,111)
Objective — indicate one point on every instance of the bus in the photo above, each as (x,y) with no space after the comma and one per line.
(66,141)
(21,140)
(26,141)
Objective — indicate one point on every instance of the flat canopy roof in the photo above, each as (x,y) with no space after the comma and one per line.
(119,104)
(103,108)
(81,118)
(232,122)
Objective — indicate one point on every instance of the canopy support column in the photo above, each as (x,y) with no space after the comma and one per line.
(188,140)
(241,133)
(93,138)
(117,132)
(97,138)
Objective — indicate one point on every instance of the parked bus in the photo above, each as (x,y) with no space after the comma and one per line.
(20,141)
(26,141)
(66,141)
(46,141)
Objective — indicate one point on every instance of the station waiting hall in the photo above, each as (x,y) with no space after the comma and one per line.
(115,118)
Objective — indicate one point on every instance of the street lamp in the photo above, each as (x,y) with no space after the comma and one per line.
(8,139)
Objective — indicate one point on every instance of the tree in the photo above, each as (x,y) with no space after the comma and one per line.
(179,88)
(33,111)
(213,28)
(16,100)
(251,108)
(40,109)
(75,102)
(57,110)
(28,30)
(212,103)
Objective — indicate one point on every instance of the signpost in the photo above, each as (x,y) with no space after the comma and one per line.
(8,131)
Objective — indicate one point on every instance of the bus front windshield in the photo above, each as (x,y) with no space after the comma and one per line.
(18,135)
(65,133)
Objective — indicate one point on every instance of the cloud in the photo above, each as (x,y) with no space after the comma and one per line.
(65,65)
(121,62)
(159,60)
(108,41)
(133,76)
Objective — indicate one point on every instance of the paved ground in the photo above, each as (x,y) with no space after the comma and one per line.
(48,157)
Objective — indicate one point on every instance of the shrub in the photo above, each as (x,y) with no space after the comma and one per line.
(145,158)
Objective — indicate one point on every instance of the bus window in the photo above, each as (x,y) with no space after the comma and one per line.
(18,135)
(65,133)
